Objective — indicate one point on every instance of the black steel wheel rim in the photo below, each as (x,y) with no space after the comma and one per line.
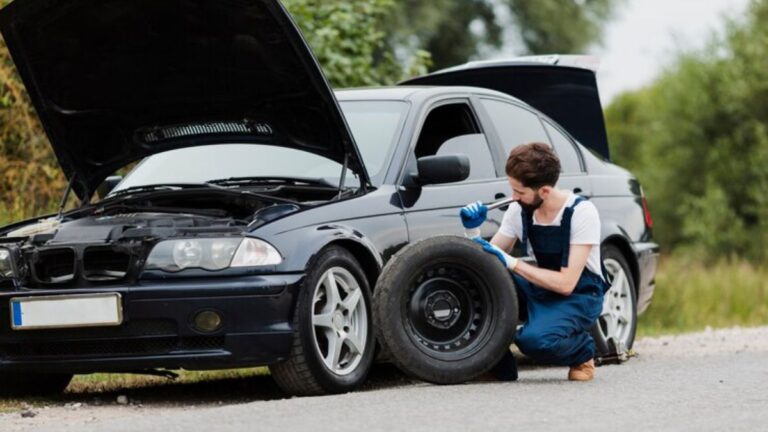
(448,312)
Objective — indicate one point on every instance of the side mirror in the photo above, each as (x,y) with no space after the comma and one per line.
(440,169)
(107,185)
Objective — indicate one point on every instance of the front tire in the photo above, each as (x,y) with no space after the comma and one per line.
(616,327)
(333,340)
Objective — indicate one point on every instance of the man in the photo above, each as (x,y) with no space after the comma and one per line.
(564,291)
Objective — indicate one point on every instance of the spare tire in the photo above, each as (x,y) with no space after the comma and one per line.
(445,309)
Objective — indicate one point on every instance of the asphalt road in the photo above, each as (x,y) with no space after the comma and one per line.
(716,380)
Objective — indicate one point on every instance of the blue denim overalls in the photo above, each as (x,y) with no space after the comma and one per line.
(557,328)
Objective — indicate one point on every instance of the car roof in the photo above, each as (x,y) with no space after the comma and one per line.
(411,93)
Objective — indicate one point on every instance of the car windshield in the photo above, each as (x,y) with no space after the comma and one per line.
(375,126)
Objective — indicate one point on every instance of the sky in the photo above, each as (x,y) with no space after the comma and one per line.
(645,34)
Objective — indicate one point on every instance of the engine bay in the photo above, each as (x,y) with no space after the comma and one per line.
(108,241)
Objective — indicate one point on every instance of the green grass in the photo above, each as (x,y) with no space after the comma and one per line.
(198,387)
(214,388)
(691,295)
(104,383)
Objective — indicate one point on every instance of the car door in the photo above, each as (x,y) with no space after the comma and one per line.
(451,126)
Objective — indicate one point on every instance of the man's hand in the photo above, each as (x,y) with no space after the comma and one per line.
(473,215)
(509,261)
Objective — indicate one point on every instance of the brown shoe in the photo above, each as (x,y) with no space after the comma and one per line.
(582,372)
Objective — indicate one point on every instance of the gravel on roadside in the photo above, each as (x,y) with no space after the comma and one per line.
(705,343)
(710,342)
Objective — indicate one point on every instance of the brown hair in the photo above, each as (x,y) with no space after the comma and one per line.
(534,165)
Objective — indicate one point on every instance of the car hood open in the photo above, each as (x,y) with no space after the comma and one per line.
(562,87)
(114,81)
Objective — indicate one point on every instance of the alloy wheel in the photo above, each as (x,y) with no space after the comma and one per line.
(339,321)
(616,318)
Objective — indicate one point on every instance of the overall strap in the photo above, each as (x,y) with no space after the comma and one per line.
(606,277)
(527,223)
(565,230)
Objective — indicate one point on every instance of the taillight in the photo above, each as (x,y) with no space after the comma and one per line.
(647,214)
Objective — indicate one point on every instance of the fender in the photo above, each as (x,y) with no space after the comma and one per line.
(614,234)
(306,243)
(609,230)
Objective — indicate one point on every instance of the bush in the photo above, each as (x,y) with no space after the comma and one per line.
(691,295)
(698,141)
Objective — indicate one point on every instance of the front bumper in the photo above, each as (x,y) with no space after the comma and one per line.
(157,330)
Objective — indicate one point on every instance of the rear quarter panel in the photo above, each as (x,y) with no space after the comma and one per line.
(618,197)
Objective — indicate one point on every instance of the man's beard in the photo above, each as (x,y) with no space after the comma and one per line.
(529,208)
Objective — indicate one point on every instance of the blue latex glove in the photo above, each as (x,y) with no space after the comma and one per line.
(509,261)
(473,215)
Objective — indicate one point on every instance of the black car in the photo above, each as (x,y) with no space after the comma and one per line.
(258,223)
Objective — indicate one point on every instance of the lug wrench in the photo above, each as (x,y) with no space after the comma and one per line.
(500,203)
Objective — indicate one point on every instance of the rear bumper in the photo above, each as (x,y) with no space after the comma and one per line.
(647,255)
(157,330)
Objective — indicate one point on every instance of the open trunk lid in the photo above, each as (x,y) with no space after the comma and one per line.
(562,87)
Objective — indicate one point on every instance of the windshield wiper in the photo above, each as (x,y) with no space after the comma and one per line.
(276,181)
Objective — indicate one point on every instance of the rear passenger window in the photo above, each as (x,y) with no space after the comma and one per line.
(514,124)
(569,158)
(453,129)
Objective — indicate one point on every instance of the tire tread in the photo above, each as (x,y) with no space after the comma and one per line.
(405,359)
(295,375)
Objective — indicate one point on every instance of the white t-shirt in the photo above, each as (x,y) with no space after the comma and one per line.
(585,227)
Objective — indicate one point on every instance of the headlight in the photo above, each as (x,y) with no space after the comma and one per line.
(211,254)
(253,252)
(6,266)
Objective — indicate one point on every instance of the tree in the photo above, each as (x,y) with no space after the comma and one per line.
(698,140)
(454,31)
(357,43)
(30,180)
(443,28)
(347,37)
(557,26)
(350,42)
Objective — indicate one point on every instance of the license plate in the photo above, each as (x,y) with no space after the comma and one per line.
(89,310)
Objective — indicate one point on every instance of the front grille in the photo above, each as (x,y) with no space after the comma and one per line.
(208,343)
(111,348)
(82,265)
(102,264)
(55,265)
